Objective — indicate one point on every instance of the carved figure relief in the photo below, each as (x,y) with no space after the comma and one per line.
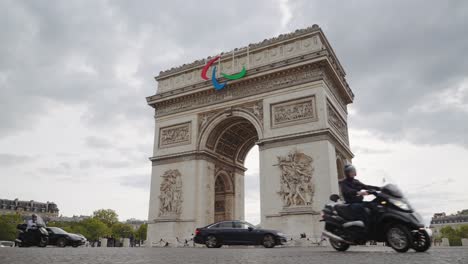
(175,135)
(297,188)
(170,198)
(255,108)
(337,122)
(293,112)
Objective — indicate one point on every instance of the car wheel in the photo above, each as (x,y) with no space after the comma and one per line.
(211,242)
(44,241)
(339,246)
(399,238)
(268,241)
(421,241)
(61,242)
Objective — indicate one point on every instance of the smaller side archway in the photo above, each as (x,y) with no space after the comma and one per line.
(340,168)
(224,197)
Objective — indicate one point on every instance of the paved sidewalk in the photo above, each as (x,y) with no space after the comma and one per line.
(320,255)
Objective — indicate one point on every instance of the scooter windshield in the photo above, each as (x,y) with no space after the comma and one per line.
(392,190)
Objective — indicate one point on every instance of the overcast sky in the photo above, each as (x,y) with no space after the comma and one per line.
(75,128)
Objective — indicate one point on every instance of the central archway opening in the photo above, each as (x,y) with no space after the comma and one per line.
(236,180)
(252,186)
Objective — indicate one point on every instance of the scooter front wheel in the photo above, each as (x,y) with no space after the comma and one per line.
(399,238)
(421,241)
(339,246)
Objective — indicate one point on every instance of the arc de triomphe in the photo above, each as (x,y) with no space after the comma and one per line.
(291,102)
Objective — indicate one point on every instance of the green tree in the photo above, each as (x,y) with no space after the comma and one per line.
(463,230)
(121,230)
(93,229)
(107,216)
(140,234)
(452,234)
(8,225)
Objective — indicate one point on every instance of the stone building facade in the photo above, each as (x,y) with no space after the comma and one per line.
(292,103)
(441,220)
(45,210)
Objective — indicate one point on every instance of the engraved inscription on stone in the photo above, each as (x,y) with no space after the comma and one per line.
(175,135)
(293,112)
(297,188)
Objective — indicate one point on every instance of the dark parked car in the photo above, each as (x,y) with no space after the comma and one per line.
(237,233)
(61,238)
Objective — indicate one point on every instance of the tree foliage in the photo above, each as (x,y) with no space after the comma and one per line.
(454,235)
(91,228)
(121,230)
(107,216)
(140,233)
(8,225)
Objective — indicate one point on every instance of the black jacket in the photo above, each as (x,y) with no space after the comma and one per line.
(350,187)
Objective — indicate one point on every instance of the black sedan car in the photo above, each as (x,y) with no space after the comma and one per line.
(60,238)
(237,233)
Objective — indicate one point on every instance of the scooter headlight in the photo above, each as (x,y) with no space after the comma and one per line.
(400,204)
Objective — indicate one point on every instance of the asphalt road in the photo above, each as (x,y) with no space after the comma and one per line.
(322,255)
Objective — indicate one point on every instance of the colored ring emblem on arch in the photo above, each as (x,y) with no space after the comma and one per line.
(217,85)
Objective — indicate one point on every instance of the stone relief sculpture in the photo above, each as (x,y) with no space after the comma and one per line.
(297,188)
(175,135)
(293,111)
(170,194)
(337,122)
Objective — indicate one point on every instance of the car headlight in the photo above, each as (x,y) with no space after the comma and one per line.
(400,204)
(281,234)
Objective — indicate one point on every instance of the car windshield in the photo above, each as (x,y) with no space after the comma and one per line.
(57,230)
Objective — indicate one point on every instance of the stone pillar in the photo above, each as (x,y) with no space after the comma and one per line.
(445,242)
(103,242)
(239,196)
(464,242)
(126,242)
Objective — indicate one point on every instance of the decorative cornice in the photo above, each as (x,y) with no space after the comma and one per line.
(300,138)
(195,155)
(252,46)
(254,86)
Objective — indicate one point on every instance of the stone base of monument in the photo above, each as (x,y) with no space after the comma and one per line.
(295,222)
(170,232)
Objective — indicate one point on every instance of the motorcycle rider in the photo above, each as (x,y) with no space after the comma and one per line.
(354,191)
(32,223)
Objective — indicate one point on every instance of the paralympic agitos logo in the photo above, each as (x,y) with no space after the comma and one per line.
(217,85)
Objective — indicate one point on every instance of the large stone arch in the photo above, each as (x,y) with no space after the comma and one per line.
(292,103)
(221,116)
(217,133)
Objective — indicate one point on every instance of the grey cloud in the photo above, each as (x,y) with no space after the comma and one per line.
(108,164)
(98,142)
(71,51)
(395,53)
(139,181)
(7,160)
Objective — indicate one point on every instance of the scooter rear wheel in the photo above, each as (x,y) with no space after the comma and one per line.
(44,241)
(339,246)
